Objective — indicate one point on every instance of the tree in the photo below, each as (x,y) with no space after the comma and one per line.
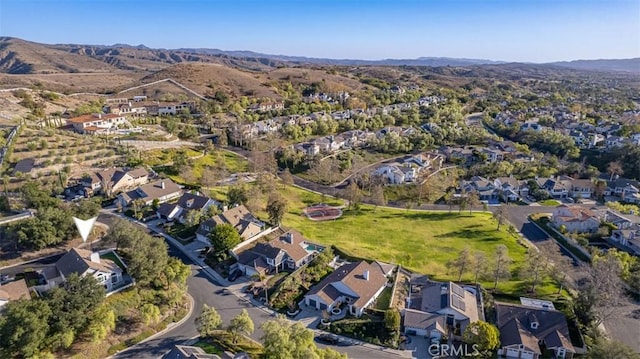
(223,238)
(479,265)
(353,195)
(150,314)
(461,262)
(534,268)
(284,339)
(484,335)
(287,177)
(241,324)
(602,294)
(208,322)
(603,348)
(192,218)
(102,323)
(176,272)
(72,304)
(614,169)
(560,265)
(137,205)
(499,215)
(472,200)
(501,264)
(237,195)
(145,257)
(276,208)
(24,326)
(378,197)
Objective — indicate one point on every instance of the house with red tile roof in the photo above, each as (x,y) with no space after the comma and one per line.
(575,219)
(96,123)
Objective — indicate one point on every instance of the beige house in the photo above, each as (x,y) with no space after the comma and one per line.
(96,123)
(239,217)
(162,190)
(576,219)
(13,291)
(356,285)
(113,180)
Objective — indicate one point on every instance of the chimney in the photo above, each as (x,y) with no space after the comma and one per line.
(289,237)
(162,184)
(366,275)
(95,257)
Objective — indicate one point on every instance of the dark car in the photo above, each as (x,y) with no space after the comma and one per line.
(234,275)
(327,339)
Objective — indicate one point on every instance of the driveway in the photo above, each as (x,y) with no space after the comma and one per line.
(419,347)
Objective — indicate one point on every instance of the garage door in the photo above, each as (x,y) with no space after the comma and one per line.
(410,332)
(323,306)
(312,303)
(527,355)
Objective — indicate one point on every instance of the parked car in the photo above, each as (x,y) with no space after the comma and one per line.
(234,275)
(327,339)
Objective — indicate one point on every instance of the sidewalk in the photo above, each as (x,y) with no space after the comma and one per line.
(236,289)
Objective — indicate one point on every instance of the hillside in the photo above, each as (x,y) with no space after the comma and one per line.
(626,65)
(24,57)
(206,79)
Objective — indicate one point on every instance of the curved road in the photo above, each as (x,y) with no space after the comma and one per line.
(205,290)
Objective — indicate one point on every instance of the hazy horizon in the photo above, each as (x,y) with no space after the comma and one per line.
(530,31)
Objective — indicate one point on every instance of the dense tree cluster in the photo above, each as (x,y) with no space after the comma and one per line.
(54,321)
(52,223)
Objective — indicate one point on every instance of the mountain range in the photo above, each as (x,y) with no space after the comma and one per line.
(19,56)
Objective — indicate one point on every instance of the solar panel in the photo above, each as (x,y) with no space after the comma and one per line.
(458,303)
(457,290)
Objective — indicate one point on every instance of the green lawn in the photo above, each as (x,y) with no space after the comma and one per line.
(549,202)
(208,347)
(384,300)
(112,256)
(419,240)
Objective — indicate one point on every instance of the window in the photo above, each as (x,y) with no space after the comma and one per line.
(114,278)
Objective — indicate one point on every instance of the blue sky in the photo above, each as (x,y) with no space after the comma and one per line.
(508,30)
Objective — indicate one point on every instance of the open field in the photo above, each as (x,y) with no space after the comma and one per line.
(421,241)
(218,160)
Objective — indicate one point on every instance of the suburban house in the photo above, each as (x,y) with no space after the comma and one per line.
(267,106)
(288,251)
(581,188)
(627,190)
(456,305)
(556,187)
(13,291)
(187,202)
(525,327)
(168,108)
(87,263)
(488,191)
(511,189)
(575,219)
(429,325)
(394,174)
(628,238)
(114,180)
(239,217)
(96,123)
(162,190)
(356,285)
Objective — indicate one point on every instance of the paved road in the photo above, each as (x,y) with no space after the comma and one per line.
(205,290)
